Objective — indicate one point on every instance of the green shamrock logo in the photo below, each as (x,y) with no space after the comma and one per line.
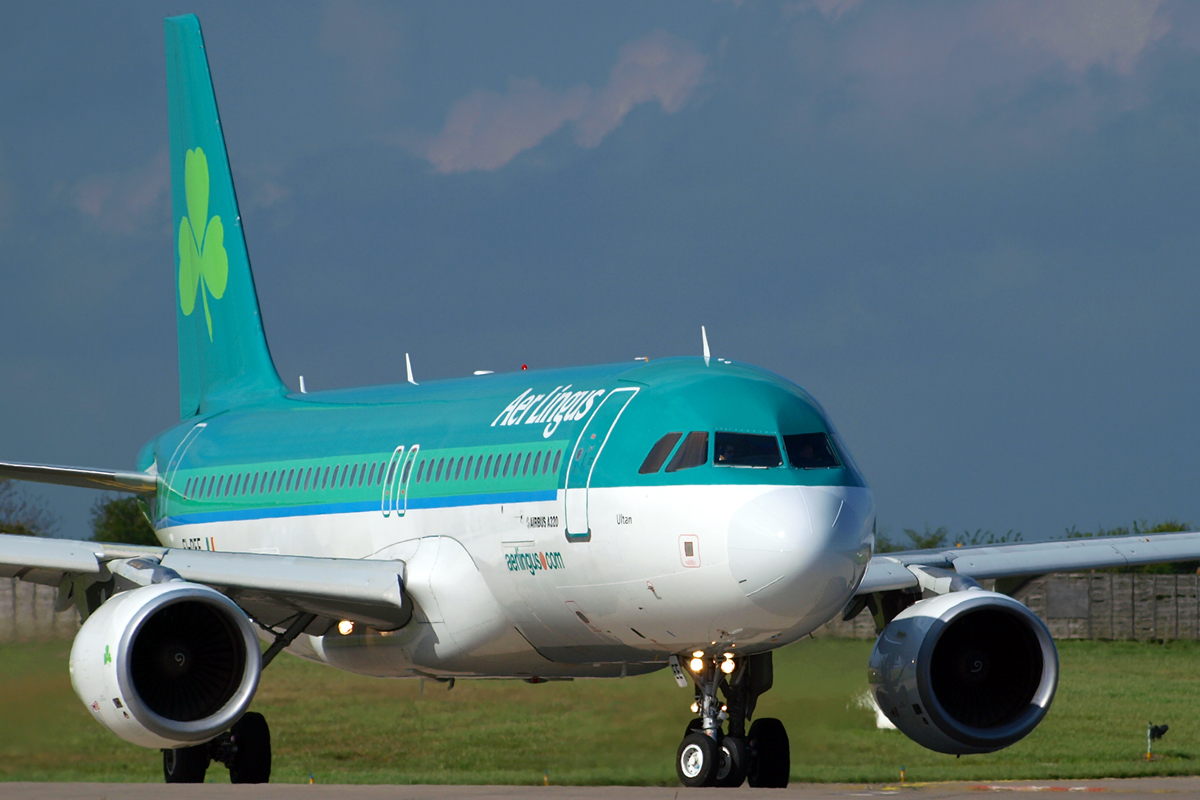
(202,259)
(107,655)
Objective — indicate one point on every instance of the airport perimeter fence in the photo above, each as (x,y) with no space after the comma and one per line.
(1090,605)
(1093,605)
(27,612)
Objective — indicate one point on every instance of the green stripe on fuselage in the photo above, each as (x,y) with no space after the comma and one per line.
(467,417)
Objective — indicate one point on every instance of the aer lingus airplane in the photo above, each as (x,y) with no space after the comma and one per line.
(690,513)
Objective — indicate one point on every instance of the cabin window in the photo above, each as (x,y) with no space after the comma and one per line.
(237,487)
(307,479)
(449,468)
(488,468)
(499,464)
(274,486)
(478,467)
(345,474)
(362,474)
(467,473)
(220,480)
(438,475)
(228,484)
(287,485)
(658,453)
(404,477)
(371,476)
(517,465)
(507,464)
(186,487)
(458,469)
(557,459)
(692,453)
(253,484)
(810,451)
(746,450)
(353,472)
(537,459)
(420,469)
(200,491)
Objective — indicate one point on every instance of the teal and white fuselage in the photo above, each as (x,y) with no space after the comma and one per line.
(531,544)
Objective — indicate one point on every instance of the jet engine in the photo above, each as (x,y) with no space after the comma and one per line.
(166,665)
(965,672)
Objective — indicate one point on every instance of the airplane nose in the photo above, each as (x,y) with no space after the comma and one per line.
(800,549)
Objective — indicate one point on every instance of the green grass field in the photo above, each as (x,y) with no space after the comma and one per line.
(346,729)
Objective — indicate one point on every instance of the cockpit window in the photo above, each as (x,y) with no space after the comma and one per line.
(810,451)
(692,453)
(746,450)
(658,454)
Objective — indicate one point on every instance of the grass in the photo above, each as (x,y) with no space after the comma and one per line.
(343,728)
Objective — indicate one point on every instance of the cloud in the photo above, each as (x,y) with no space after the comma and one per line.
(126,203)
(659,67)
(1111,34)
(485,130)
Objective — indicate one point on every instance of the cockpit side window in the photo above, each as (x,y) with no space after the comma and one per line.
(746,450)
(692,453)
(810,451)
(658,454)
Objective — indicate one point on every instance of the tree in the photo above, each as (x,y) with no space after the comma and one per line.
(122,520)
(940,537)
(21,515)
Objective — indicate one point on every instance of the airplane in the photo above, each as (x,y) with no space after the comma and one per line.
(692,514)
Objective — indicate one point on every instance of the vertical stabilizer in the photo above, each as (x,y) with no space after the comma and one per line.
(223,355)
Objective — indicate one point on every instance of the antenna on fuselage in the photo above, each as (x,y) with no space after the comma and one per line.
(704,339)
(302,389)
(408,367)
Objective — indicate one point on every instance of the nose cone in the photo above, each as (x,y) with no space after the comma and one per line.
(799,551)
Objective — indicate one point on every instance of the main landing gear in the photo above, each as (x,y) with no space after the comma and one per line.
(709,757)
(245,749)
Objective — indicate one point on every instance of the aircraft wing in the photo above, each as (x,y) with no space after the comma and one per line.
(889,571)
(108,479)
(270,588)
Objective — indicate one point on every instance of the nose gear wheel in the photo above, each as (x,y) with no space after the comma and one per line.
(711,756)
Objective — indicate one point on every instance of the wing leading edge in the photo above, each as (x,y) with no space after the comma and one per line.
(106,479)
(889,572)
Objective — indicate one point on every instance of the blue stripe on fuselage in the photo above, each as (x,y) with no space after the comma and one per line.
(357,507)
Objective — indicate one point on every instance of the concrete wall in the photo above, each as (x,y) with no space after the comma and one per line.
(1093,605)
(27,612)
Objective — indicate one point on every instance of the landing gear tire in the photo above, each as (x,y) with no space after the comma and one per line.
(770,760)
(731,767)
(185,764)
(697,760)
(251,761)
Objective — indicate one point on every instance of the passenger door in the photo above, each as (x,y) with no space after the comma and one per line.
(583,457)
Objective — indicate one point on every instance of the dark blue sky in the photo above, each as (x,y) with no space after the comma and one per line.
(970,229)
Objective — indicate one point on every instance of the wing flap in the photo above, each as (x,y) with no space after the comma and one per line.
(270,587)
(105,479)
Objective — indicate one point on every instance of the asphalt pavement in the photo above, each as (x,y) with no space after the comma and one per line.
(1125,788)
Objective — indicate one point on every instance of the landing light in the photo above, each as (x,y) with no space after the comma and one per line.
(697,664)
(698,654)
(695,708)
(727,666)
(345,627)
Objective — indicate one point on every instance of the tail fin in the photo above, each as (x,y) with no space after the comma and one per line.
(223,355)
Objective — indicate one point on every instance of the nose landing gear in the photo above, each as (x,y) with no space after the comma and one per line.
(245,749)
(709,757)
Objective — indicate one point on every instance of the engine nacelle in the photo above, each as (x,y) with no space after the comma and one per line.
(965,672)
(166,665)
